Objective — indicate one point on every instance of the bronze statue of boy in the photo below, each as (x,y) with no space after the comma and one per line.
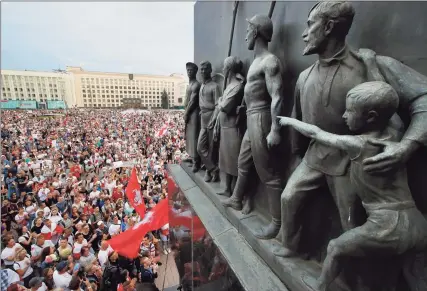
(394,225)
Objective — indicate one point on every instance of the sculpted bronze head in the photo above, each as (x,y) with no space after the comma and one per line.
(327,20)
(191,70)
(232,64)
(205,70)
(260,26)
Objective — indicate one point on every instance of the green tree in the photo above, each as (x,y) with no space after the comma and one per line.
(165,99)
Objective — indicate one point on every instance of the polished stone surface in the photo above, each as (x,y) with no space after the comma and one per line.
(203,196)
(252,272)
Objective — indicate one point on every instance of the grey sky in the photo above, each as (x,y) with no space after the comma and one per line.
(135,37)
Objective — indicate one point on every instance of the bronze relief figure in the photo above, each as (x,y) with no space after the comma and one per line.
(226,127)
(192,116)
(208,100)
(263,100)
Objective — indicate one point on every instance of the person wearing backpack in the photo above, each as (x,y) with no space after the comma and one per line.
(113,274)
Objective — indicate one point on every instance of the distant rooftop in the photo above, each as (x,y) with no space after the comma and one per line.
(76,69)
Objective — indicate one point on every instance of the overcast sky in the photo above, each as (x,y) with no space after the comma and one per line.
(148,37)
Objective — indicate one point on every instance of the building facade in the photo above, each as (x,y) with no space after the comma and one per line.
(36,86)
(77,87)
(99,89)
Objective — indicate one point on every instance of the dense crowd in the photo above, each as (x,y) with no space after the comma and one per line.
(64,176)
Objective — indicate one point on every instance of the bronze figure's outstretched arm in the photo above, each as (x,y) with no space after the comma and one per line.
(342,142)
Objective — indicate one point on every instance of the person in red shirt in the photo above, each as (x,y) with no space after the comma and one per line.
(118,193)
(124,179)
(76,170)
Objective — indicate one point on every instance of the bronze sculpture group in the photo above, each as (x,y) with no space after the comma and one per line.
(347,135)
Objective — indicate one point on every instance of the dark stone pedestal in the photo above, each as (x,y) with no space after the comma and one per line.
(290,271)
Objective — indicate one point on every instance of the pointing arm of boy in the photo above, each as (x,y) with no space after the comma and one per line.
(343,142)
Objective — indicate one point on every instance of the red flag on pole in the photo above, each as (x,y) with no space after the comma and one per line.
(128,243)
(161,215)
(133,193)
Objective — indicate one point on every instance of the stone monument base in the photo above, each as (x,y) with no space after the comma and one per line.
(290,271)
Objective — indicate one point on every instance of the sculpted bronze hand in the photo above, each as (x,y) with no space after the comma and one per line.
(393,156)
(273,139)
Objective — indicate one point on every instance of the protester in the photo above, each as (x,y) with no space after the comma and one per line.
(64,184)
(113,274)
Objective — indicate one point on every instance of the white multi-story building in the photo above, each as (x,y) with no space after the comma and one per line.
(77,87)
(99,89)
(37,86)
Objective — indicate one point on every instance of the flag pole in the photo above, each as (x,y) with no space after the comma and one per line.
(230,41)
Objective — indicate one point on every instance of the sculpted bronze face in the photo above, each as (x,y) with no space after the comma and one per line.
(354,115)
(191,72)
(314,35)
(231,64)
(205,72)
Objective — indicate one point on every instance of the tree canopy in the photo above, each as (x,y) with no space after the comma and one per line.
(165,99)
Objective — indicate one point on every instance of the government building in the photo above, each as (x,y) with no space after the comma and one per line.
(76,87)
(34,89)
(99,89)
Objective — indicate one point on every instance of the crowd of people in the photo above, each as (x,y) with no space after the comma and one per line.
(64,176)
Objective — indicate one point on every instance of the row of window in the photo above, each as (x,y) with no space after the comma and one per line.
(118,101)
(107,88)
(122,81)
(29,95)
(31,99)
(126,87)
(123,92)
(28,78)
(113,105)
(121,95)
(32,85)
(117,104)
(29,90)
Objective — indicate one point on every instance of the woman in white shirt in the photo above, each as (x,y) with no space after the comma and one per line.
(30,209)
(54,216)
(42,194)
(115,227)
(22,217)
(22,266)
(9,252)
(110,184)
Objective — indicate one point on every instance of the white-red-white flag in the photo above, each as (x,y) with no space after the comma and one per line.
(133,193)
(128,243)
